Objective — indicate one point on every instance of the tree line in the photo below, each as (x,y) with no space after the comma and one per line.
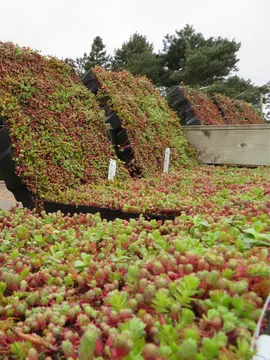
(187,58)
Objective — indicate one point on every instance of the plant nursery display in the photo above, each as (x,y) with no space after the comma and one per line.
(191,105)
(237,111)
(247,113)
(56,125)
(195,287)
(204,108)
(78,287)
(150,124)
(201,189)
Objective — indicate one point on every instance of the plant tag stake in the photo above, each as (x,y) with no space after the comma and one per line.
(112,170)
(167,160)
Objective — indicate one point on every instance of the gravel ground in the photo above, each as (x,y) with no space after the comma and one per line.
(7,199)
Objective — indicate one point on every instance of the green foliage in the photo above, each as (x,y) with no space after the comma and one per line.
(233,311)
(136,45)
(211,238)
(41,101)
(168,335)
(200,223)
(187,349)
(156,126)
(243,350)
(218,298)
(159,241)
(119,255)
(187,288)
(19,349)
(238,111)
(68,281)
(80,265)
(151,311)
(195,60)
(186,317)
(261,270)
(214,60)
(88,342)
(118,300)
(24,273)
(136,328)
(211,347)
(255,236)
(216,109)
(162,301)
(192,333)
(132,275)
(137,56)
(97,56)
(235,86)
(187,56)
(189,244)
(190,347)
(3,287)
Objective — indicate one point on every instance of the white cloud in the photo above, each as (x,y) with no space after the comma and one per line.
(66,28)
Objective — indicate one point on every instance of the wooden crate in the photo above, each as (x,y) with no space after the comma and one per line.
(231,144)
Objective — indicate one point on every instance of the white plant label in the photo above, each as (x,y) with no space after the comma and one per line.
(112,169)
(167,160)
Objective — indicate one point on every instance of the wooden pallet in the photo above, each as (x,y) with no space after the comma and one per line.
(247,145)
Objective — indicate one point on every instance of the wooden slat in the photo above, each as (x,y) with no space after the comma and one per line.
(236,144)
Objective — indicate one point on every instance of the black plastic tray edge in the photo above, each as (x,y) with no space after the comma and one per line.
(115,129)
(220,108)
(182,114)
(105,213)
(12,181)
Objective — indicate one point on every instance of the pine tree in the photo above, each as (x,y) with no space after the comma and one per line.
(189,57)
(137,56)
(97,56)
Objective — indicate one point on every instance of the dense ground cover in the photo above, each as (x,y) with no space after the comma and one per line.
(247,113)
(82,287)
(238,112)
(224,111)
(203,189)
(192,288)
(56,126)
(231,112)
(204,108)
(79,287)
(150,124)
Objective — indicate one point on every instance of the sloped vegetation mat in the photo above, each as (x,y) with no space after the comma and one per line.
(150,124)
(56,126)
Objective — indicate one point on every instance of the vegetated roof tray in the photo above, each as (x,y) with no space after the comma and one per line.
(179,103)
(141,122)
(117,133)
(220,109)
(90,82)
(105,213)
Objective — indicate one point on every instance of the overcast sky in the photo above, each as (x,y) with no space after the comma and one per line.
(66,28)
